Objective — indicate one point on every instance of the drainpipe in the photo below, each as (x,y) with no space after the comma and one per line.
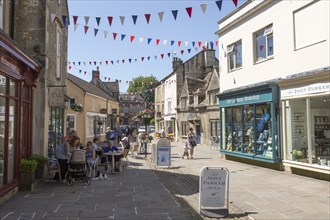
(12,19)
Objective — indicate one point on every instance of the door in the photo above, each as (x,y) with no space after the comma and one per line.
(198,133)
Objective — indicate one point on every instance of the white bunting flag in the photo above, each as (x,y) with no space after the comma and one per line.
(86,20)
(161,15)
(203,6)
(122,19)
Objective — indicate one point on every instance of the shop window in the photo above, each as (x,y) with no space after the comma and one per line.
(234,54)
(70,123)
(297,136)
(55,129)
(264,46)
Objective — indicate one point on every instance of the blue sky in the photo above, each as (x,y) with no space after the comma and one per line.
(88,47)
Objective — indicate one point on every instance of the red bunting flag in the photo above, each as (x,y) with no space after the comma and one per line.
(75,18)
(90,62)
(123,61)
(147,17)
(199,43)
(142,58)
(179,43)
(106,62)
(189,11)
(162,55)
(110,20)
(108,79)
(114,35)
(132,38)
(182,51)
(70,67)
(86,29)
(157,41)
(216,43)
(235,2)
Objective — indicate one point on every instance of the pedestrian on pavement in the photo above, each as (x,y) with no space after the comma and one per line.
(192,142)
(185,150)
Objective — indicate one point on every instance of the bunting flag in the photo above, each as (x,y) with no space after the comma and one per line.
(149,40)
(141,39)
(203,7)
(189,50)
(110,20)
(157,41)
(86,20)
(86,29)
(147,17)
(122,20)
(193,43)
(132,38)
(105,34)
(219,4)
(134,17)
(189,11)
(165,42)
(182,51)
(169,54)
(75,19)
(98,19)
(199,43)
(179,43)
(235,2)
(175,14)
(162,55)
(114,35)
(161,15)
(95,31)
(75,27)
(122,37)
(172,42)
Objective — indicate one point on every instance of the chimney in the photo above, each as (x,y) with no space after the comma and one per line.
(176,62)
(209,56)
(96,73)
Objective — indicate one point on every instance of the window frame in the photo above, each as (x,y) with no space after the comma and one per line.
(267,33)
(232,51)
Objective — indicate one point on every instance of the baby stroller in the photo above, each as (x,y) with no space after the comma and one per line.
(78,168)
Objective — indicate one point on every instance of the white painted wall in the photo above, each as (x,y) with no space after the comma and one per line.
(170,93)
(300,36)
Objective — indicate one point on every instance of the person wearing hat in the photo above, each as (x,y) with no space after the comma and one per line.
(125,143)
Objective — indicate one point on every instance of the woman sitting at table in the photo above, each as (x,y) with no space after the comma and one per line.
(113,148)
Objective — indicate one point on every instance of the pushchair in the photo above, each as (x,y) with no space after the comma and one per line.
(77,169)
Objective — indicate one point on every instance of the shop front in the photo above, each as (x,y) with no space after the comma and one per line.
(18,73)
(249,121)
(305,113)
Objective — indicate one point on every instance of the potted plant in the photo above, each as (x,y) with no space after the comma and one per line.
(27,169)
(296,154)
(41,160)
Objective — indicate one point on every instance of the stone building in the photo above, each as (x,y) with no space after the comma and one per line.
(130,104)
(39,82)
(168,93)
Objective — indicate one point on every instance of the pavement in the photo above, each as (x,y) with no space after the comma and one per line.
(144,191)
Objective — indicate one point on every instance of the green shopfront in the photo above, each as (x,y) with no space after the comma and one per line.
(250,123)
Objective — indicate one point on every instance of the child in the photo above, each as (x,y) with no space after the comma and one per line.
(185,150)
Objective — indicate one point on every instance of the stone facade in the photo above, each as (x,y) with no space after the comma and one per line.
(200,70)
(44,40)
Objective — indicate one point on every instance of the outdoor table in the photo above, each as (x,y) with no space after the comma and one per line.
(113,154)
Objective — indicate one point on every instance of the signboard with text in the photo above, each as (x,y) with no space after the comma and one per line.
(163,152)
(213,191)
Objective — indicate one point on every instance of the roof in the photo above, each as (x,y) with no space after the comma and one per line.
(113,86)
(89,87)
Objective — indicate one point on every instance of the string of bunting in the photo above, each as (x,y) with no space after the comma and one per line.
(135,17)
(130,60)
(108,79)
(131,38)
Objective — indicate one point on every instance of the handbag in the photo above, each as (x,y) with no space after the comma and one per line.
(193,143)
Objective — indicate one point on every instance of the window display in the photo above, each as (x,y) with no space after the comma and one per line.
(248,129)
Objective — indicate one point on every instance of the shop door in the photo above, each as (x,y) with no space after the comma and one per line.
(198,133)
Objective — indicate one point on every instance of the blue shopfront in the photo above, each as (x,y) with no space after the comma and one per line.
(250,123)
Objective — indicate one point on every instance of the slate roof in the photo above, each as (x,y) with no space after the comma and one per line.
(113,86)
(89,87)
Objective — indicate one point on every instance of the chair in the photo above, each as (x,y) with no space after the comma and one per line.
(125,156)
(96,163)
(53,167)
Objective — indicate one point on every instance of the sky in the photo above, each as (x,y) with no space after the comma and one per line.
(85,47)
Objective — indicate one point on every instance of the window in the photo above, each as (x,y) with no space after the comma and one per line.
(132,109)
(125,109)
(196,100)
(58,54)
(70,123)
(169,107)
(184,126)
(1,13)
(213,98)
(234,52)
(264,43)
(215,128)
(184,102)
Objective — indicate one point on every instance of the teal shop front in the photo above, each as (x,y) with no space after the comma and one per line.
(250,123)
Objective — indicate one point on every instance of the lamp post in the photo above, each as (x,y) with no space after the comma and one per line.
(146,115)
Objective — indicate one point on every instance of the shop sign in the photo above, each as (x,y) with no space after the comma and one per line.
(56,96)
(6,62)
(213,190)
(249,99)
(305,90)
(163,153)
(103,111)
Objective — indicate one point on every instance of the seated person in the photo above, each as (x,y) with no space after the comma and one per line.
(90,157)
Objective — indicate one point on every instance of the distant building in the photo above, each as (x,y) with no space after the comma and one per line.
(130,104)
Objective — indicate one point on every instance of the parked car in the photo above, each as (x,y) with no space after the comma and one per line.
(142,129)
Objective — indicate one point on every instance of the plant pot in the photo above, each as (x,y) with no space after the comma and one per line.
(26,182)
